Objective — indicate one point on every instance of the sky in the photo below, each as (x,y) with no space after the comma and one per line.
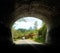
(28,23)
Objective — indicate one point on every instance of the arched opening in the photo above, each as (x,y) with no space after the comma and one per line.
(47,10)
(34,9)
(29,30)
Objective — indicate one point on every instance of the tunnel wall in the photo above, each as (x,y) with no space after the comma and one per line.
(47,10)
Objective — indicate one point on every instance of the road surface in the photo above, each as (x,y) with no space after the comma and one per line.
(26,41)
(28,44)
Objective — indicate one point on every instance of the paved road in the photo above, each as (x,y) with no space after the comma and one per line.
(28,44)
(26,41)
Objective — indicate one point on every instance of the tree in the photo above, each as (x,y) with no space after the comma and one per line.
(41,34)
(35,25)
(42,30)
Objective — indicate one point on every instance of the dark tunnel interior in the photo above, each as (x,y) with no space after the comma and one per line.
(46,10)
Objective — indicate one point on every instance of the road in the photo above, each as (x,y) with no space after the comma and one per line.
(28,44)
(26,41)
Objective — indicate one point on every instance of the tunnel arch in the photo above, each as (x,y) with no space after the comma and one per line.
(34,9)
(21,20)
(11,10)
(49,11)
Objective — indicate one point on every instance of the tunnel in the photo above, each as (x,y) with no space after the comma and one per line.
(46,10)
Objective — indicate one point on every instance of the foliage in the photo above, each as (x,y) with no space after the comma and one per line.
(18,34)
(35,25)
(34,34)
(41,34)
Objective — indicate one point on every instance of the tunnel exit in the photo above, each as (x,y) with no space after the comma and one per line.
(29,30)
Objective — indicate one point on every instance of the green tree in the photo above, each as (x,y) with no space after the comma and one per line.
(41,34)
(17,34)
(35,25)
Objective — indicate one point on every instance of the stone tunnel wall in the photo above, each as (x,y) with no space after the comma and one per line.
(47,10)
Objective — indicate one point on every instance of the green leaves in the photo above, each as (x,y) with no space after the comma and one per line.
(41,34)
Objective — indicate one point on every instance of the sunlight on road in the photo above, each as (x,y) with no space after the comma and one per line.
(26,41)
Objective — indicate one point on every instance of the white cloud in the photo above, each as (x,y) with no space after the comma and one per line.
(30,23)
